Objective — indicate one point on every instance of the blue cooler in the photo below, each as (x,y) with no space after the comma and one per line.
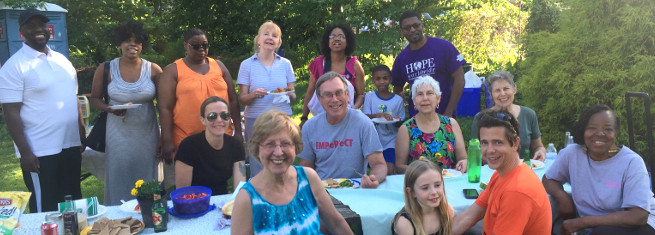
(469,103)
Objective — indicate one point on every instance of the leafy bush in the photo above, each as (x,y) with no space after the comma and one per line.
(603,49)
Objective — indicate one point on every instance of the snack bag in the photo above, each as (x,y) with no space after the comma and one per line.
(12,205)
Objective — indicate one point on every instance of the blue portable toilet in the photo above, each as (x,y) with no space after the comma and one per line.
(11,41)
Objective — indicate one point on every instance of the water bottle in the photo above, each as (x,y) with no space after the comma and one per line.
(570,142)
(526,158)
(566,139)
(474,158)
(551,152)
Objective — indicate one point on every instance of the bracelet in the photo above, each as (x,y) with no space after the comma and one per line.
(303,118)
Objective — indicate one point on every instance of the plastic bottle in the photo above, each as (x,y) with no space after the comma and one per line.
(551,152)
(526,158)
(159,218)
(474,158)
(566,138)
(70,217)
(570,142)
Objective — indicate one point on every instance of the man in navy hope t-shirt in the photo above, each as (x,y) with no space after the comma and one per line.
(428,56)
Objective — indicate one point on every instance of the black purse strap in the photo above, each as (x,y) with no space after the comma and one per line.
(105,82)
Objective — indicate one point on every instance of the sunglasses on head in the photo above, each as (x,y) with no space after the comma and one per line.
(196,47)
(225,115)
(503,117)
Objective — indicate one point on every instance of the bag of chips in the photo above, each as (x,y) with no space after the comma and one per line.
(12,205)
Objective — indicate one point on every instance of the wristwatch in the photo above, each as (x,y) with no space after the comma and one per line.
(303,118)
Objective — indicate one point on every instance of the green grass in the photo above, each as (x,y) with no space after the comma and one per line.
(11,178)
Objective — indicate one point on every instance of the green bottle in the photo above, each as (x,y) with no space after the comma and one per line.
(474,159)
(159,218)
(526,158)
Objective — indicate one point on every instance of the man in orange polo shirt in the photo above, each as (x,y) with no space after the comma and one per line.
(515,201)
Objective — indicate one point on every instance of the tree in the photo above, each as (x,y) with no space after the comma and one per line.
(603,49)
(24,3)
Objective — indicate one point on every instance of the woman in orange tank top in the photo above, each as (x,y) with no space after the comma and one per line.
(184,85)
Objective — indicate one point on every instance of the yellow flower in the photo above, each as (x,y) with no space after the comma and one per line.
(437,155)
(138,183)
(134,192)
(421,157)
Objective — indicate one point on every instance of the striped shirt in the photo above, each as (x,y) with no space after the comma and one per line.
(255,75)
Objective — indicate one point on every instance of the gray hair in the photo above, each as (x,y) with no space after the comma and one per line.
(425,80)
(327,77)
(499,76)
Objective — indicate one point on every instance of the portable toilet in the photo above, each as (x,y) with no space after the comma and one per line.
(11,40)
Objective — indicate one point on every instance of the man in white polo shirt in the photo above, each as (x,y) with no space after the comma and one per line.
(38,88)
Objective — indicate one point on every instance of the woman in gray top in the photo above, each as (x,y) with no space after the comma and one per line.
(132,134)
(503,89)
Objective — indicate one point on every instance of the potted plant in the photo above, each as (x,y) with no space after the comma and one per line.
(144,192)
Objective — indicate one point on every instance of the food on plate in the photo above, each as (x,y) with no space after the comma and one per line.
(346,184)
(128,103)
(447,174)
(227,209)
(330,183)
(137,208)
(126,225)
(536,164)
(192,196)
(280,90)
(483,185)
(339,183)
(12,205)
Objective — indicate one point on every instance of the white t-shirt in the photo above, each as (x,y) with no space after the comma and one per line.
(394,106)
(46,84)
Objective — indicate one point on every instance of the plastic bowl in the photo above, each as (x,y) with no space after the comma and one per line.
(191,206)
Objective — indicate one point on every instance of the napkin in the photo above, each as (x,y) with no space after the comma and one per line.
(281,98)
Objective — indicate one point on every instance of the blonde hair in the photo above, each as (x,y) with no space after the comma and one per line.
(265,26)
(412,207)
(272,122)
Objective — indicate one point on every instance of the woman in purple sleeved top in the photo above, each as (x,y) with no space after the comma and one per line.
(337,46)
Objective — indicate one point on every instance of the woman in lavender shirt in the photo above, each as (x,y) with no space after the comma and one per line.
(263,72)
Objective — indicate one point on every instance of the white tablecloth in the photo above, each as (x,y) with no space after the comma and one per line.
(377,207)
(31,223)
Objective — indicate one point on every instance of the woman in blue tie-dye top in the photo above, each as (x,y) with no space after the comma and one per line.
(283,199)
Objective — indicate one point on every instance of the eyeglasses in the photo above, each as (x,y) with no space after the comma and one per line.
(196,47)
(340,36)
(338,93)
(225,115)
(272,145)
(416,26)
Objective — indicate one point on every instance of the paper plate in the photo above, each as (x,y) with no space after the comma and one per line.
(101,211)
(128,206)
(381,120)
(536,164)
(356,183)
(272,92)
(450,173)
(122,106)
(171,210)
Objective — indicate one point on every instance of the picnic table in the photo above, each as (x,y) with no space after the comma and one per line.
(377,207)
(370,211)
